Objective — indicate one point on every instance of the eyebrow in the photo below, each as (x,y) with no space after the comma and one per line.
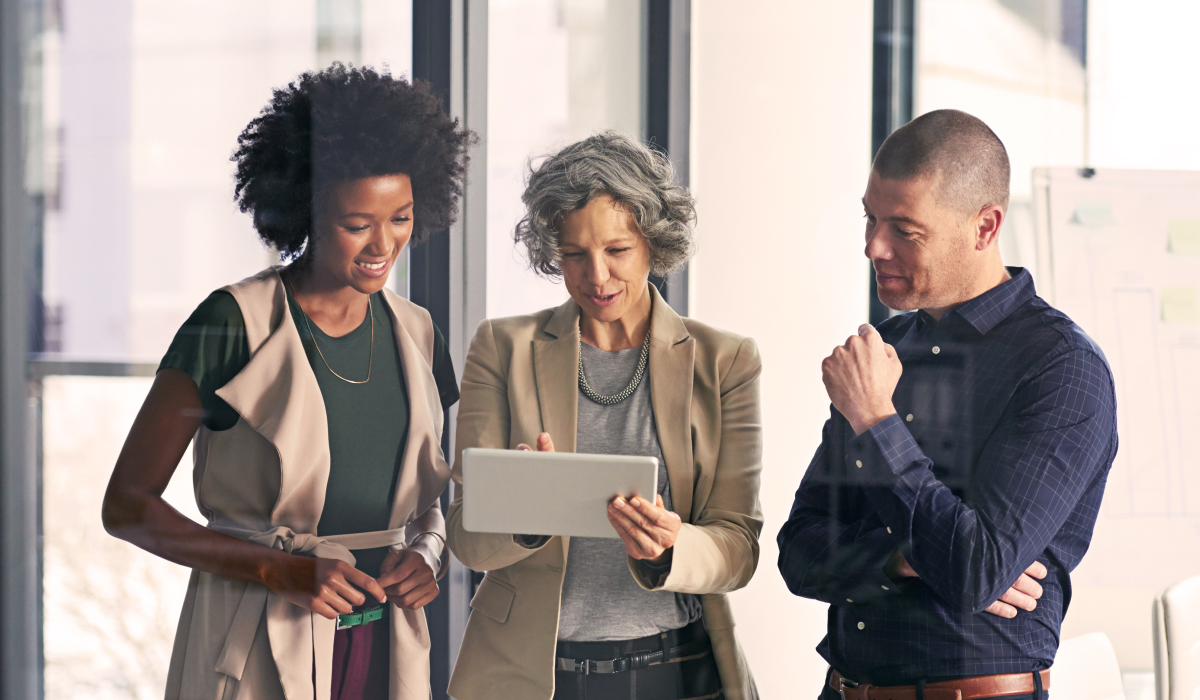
(901,219)
(361,213)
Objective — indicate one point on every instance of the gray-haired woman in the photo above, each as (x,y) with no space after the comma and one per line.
(613,371)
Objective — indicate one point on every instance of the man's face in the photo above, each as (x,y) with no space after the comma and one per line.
(922,251)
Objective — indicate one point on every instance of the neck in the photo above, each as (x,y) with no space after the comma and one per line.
(327,302)
(629,331)
(995,275)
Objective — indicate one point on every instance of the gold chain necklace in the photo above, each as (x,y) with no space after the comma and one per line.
(370,356)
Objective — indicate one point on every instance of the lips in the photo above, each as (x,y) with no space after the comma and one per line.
(372,269)
(603,299)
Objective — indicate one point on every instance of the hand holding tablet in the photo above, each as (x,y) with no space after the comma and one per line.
(549,493)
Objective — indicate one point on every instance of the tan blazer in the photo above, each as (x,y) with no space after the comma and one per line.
(520,379)
(264,480)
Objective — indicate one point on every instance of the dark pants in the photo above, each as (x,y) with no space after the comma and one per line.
(361,662)
(680,680)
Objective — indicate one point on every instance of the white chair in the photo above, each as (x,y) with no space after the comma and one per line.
(1086,668)
(1177,641)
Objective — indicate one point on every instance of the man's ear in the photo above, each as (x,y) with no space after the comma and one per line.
(987,226)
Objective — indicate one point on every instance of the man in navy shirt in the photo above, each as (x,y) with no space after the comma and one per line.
(961,470)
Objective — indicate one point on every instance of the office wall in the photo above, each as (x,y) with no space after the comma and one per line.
(781,108)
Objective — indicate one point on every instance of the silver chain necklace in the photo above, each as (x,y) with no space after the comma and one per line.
(627,391)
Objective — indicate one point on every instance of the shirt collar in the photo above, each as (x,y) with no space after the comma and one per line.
(987,310)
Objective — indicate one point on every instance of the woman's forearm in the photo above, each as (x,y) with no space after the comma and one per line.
(135,511)
(149,522)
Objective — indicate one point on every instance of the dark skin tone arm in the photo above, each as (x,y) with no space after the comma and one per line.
(134,510)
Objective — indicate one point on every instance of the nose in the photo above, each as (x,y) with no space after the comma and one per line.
(878,245)
(380,243)
(597,270)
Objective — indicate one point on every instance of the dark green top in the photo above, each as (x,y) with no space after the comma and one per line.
(368,423)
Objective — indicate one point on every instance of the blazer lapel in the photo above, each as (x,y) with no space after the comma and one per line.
(277,394)
(423,472)
(672,358)
(556,371)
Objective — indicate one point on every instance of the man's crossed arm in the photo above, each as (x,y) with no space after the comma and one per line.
(979,555)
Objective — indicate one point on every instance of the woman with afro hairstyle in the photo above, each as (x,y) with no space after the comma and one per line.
(313,399)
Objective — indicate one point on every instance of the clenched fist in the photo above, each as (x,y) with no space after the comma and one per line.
(860,378)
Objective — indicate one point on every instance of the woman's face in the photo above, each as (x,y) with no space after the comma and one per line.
(605,260)
(362,229)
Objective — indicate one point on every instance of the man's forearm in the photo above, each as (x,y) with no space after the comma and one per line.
(830,561)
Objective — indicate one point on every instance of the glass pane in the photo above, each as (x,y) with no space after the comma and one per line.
(1024,76)
(558,71)
(143,104)
(110,608)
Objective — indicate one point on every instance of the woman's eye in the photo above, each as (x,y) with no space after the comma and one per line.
(356,229)
(402,219)
(616,251)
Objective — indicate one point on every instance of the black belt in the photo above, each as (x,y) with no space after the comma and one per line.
(696,648)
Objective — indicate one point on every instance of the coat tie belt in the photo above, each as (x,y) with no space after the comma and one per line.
(292,630)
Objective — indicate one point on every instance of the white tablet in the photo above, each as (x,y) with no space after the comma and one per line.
(549,493)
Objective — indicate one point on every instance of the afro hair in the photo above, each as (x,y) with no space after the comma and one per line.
(344,124)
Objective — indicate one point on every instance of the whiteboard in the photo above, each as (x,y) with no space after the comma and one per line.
(1119,252)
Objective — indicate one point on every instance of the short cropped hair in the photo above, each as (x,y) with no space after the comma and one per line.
(966,157)
(339,125)
(638,178)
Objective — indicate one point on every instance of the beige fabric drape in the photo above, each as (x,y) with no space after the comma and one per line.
(264,480)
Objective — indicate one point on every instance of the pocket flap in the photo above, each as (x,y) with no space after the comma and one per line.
(493,599)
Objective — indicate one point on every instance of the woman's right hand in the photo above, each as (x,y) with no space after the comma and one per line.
(544,444)
(324,586)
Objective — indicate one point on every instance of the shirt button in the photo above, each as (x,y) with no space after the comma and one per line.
(862,625)
(858,463)
(885,588)
(849,601)
(936,349)
(889,530)
(908,418)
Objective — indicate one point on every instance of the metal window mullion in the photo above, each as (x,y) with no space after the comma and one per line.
(668,106)
(20,581)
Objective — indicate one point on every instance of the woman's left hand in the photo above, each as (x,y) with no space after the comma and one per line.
(648,530)
(407,580)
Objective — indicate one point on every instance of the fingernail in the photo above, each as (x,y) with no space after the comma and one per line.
(620,502)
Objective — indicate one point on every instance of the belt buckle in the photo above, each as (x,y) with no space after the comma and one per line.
(606,666)
(574,665)
(844,683)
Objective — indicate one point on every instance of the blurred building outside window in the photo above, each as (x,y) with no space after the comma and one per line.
(558,71)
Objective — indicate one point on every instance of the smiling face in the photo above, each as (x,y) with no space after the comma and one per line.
(605,261)
(361,230)
(925,254)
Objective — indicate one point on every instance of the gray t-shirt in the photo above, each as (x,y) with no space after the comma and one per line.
(600,599)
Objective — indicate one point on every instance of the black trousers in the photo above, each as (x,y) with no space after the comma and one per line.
(693,679)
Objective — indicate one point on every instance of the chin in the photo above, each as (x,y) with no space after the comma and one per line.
(899,302)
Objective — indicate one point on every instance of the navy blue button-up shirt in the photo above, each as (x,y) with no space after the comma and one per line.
(998,456)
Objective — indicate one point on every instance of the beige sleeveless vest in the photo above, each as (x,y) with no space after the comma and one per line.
(264,480)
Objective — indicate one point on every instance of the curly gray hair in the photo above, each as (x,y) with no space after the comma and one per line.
(638,178)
